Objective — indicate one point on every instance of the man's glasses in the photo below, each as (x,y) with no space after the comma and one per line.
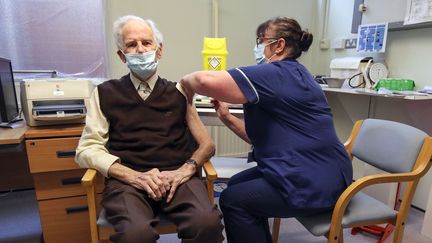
(260,39)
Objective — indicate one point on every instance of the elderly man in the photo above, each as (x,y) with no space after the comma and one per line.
(149,142)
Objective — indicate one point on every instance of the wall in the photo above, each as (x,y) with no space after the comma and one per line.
(407,51)
(407,55)
(185,23)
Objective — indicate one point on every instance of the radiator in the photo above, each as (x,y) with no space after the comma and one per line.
(227,143)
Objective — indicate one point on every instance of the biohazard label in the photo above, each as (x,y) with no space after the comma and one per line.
(215,62)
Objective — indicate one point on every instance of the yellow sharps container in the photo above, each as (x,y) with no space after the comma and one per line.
(214,54)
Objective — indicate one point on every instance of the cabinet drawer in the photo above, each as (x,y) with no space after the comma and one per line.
(62,184)
(65,220)
(57,154)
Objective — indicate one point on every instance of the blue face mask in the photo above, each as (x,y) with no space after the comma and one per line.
(142,64)
(259,53)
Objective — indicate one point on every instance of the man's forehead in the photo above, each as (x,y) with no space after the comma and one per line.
(135,27)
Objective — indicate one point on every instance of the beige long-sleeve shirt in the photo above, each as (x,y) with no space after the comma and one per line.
(91,151)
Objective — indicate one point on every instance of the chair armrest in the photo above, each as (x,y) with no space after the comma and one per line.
(349,142)
(210,171)
(89,178)
(88,182)
(211,176)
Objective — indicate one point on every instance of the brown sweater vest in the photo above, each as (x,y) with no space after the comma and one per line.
(146,134)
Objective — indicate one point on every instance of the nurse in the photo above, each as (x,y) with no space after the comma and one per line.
(302,168)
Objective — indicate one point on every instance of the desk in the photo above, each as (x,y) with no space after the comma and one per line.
(209,117)
(13,159)
(9,136)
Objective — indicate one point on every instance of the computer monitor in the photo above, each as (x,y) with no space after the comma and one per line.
(8,101)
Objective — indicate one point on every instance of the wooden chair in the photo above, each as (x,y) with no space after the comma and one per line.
(402,151)
(100,228)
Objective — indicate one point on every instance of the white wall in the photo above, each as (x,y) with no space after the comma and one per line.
(408,52)
(185,23)
(408,55)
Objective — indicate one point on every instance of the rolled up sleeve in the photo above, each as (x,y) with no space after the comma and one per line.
(91,151)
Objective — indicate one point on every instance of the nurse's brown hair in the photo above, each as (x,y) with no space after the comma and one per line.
(296,39)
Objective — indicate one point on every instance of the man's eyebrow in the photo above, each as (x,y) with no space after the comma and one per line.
(139,39)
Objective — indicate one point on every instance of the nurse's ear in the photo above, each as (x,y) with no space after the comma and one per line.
(280,46)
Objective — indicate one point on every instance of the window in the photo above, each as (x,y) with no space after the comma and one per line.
(67,36)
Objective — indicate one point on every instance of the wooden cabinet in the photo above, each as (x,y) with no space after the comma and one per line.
(65,219)
(56,154)
(57,179)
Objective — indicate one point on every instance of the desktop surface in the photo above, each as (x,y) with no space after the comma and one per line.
(13,136)
(210,105)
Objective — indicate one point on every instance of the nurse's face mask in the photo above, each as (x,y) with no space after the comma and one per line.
(142,64)
(260,57)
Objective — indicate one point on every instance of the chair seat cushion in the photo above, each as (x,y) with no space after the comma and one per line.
(362,208)
(103,222)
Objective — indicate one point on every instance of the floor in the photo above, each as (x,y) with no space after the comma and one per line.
(19,223)
(292,231)
(19,217)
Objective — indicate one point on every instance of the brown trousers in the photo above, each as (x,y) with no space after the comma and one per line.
(134,215)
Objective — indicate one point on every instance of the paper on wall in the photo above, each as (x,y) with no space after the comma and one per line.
(418,11)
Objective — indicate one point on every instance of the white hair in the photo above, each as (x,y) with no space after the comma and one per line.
(122,21)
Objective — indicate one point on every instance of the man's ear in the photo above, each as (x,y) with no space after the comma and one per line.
(122,56)
(159,51)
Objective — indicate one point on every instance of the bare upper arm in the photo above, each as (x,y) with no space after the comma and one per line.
(221,86)
(197,128)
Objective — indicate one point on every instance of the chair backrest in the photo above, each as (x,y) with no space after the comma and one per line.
(388,145)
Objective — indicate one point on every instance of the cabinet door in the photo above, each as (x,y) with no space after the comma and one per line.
(60,184)
(65,220)
(57,154)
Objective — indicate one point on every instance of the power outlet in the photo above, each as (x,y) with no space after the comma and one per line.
(324,44)
(351,43)
(338,43)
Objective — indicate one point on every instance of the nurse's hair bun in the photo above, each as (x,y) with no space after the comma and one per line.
(305,40)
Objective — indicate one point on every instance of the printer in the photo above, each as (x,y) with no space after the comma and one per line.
(55,101)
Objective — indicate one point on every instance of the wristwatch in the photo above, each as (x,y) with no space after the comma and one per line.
(192,162)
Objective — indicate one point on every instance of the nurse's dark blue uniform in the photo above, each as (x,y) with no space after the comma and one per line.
(302,166)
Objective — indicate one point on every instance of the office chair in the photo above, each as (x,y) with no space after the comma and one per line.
(402,151)
(101,229)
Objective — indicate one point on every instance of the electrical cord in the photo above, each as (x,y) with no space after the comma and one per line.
(358,85)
